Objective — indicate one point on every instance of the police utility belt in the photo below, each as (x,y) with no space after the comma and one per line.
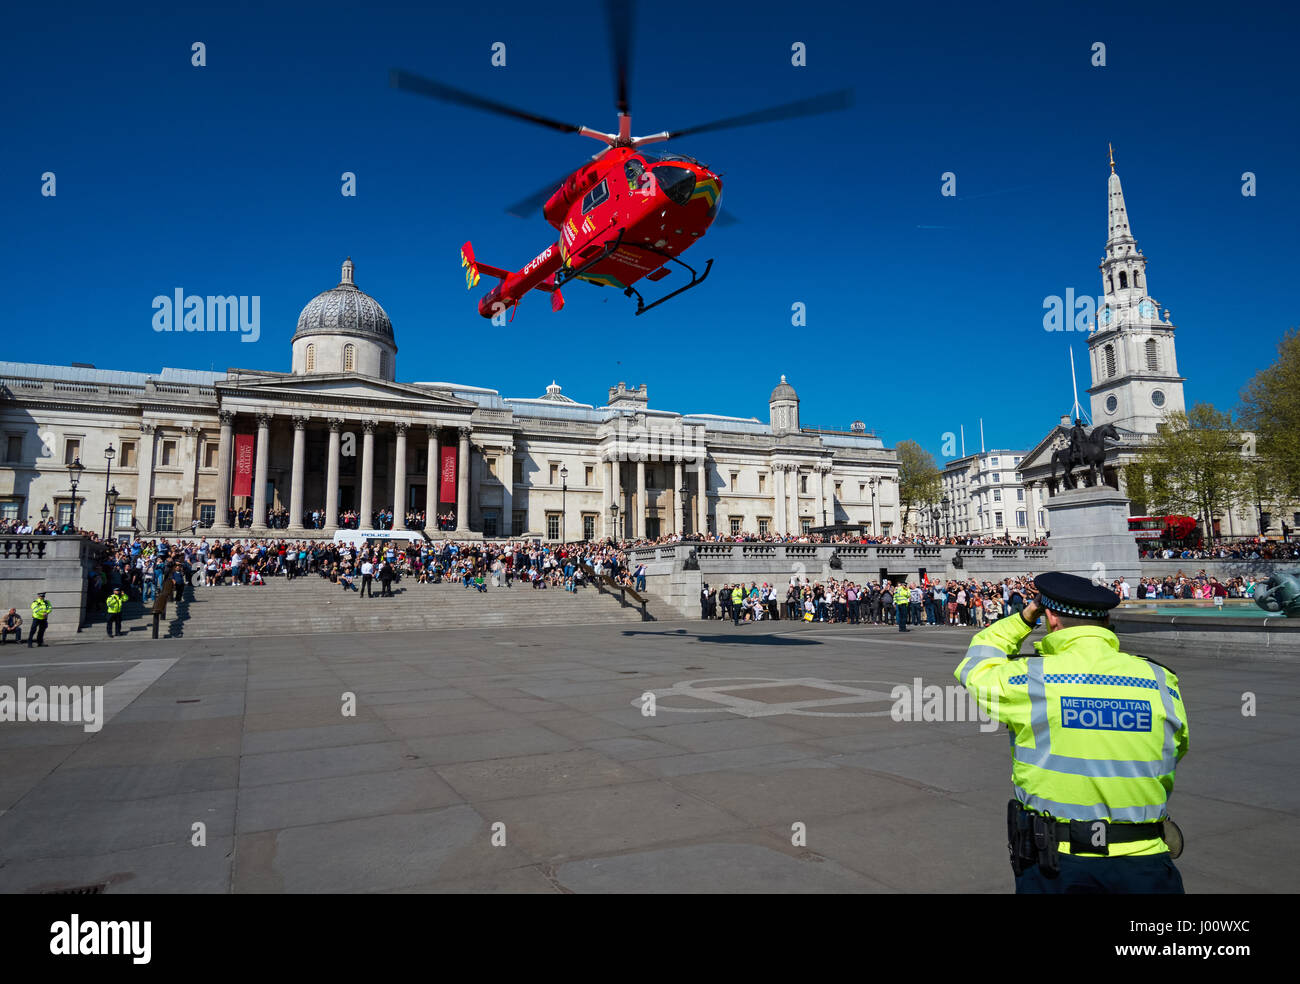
(1033,838)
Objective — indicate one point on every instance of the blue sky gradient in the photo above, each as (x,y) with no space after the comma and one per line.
(924,312)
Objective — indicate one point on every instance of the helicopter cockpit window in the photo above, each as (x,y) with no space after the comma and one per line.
(594,197)
(676,182)
(634,169)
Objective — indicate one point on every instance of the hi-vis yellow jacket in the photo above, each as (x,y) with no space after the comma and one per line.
(902,596)
(41,608)
(1096,733)
(114,603)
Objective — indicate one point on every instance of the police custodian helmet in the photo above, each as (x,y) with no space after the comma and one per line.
(1069,594)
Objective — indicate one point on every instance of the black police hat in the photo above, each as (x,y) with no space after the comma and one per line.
(1069,594)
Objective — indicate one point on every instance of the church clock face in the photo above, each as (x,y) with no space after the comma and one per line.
(1147,310)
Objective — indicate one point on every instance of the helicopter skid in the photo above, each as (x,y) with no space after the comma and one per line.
(696,279)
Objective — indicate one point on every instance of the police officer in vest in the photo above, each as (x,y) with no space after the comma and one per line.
(114,604)
(1097,737)
(40,617)
(902,604)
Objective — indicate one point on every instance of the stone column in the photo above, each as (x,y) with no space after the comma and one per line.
(367,510)
(640,499)
(399,477)
(606,494)
(144,478)
(702,494)
(828,496)
(299,469)
(778,498)
(872,484)
(193,456)
(792,501)
(431,482)
(332,476)
(224,449)
(506,526)
(677,497)
(462,483)
(260,470)
(616,473)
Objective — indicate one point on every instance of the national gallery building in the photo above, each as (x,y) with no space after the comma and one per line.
(338,434)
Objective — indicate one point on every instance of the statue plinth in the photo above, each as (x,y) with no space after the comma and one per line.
(1090,535)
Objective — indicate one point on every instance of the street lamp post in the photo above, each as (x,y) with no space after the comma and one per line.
(684,492)
(45,513)
(74,479)
(873,481)
(110,499)
(613,521)
(946,530)
(934,515)
(564,512)
(109,455)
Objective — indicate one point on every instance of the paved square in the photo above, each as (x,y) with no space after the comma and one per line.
(523,759)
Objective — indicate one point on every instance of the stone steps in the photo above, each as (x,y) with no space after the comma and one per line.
(311,605)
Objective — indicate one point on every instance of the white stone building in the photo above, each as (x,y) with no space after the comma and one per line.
(984,496)
(339,432)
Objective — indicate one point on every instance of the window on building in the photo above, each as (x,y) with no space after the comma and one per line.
(14,448)
(1017,461)
(1042,519)
(589,479)
(1109,355)
(210,450)
(762,483)
(383,364)
(993,462)
(490,520)
(122,516)
(555,474)
(349,358)
(762,527)
(126,455)
(589,526)
(166,514)
(997,476)
(71,451)
(997,519)
(805,525)
(1153,358)
(735,525)
(803,484)
(1020,495)
(65,513)
(207,513)
(886,528)
(9,510)
(997,495)
(168,454)
(519,471)
(311,356)
(520,522)
(552,526)
(1123,280)
(735,480)
(1020,517)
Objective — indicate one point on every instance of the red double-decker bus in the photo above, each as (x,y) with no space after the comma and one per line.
(1168,531)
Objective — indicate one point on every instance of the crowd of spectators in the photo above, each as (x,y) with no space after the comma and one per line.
(1251,549)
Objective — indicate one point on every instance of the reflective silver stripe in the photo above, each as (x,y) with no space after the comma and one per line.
(1092,768)
(1038,705)
(1091,811)
(977,655)
(1172,721)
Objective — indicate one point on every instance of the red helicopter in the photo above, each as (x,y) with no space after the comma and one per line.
(624,214)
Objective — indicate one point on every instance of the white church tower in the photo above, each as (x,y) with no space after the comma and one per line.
(1135,379)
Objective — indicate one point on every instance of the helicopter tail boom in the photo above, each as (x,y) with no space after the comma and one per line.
(538,273)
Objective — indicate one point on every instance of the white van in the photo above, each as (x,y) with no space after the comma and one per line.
(359,538)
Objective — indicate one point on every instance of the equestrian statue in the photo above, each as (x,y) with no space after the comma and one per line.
(1085,451)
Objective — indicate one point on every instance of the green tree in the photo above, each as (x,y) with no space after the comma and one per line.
(1195,465)
(1270,406)
(919,480)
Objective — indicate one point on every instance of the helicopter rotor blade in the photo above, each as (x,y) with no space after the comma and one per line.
(526,208)
(827,102)
(620,14)
(421,86)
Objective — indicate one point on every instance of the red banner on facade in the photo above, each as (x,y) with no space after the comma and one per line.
(447,483)
(243,484)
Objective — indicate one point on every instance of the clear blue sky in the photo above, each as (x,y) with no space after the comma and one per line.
(924,312)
